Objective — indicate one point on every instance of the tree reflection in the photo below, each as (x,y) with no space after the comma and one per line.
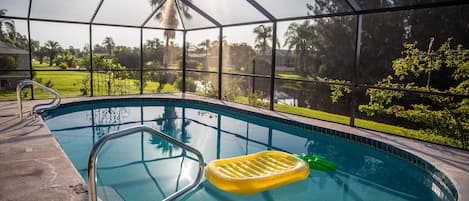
(106,120)
(169,126)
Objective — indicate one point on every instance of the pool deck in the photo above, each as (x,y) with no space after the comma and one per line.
(34,167)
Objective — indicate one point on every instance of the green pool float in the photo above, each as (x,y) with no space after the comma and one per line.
(317,162)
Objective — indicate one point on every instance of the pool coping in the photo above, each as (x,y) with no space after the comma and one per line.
(452,162)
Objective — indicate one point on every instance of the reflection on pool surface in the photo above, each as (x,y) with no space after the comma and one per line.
(144,167)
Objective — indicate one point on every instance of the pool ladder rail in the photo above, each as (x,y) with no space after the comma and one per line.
(53,104)
(93,157)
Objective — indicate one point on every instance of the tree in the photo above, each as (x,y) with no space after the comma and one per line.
(240,55)
(112,79)
(153,44)
(215,44)
(21,41)
(35,45)
(52,48)
(168,18)
(66,59)
(263,34)
(40,54)
(109,44)
(99,49)
(154,51)
(205,45)
(168,125)
(7,28)
(85,49)
(444,112)
(127,56)
(299,38)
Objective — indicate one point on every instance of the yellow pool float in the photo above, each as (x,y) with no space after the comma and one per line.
(256,172)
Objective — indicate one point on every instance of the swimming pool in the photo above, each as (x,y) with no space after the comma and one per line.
(142,167)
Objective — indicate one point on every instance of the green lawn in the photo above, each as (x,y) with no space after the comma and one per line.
(65,83)
(362,123)
(312,113)
(68,83)
(371,125)
(289,76)
(44,66)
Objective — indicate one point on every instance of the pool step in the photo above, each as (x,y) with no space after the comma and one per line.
(107,193)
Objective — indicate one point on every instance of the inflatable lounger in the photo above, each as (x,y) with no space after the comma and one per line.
(256,172)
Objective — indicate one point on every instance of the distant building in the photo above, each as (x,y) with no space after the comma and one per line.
(8,53)
(211,60)
(101,54)
(285,61)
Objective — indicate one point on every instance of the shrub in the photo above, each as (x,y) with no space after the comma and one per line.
(190,84)
(63,65)
(49,83)
(253,98)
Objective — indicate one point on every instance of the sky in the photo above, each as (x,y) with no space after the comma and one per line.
(77,35)
(133,13)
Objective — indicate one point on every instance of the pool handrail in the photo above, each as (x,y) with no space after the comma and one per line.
(19,88)
(94,152)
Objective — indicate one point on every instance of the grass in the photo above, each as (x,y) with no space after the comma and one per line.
(341,119)
(65,83)
(68,83)
(371,125)
(289,76)
(44,66)
(362,123)
(153,86)
(409,133)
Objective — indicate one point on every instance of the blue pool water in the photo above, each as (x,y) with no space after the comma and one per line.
(142,167)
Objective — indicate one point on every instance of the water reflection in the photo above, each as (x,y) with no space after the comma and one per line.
(107,120)
(168,125)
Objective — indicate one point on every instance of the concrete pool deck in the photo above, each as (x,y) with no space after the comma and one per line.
(34,167)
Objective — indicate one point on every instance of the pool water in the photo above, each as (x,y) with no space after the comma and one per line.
(143,167)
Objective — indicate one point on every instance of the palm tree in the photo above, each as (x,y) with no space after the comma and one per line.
(21,41)
(226,47)
(40,54)
(108,42)
(153,45)
(168,18)
(153,50)
(52,48)
(300,39)
(263,34)
(206,44)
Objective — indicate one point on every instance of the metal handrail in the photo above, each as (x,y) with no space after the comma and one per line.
(19,88)
(93,157)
